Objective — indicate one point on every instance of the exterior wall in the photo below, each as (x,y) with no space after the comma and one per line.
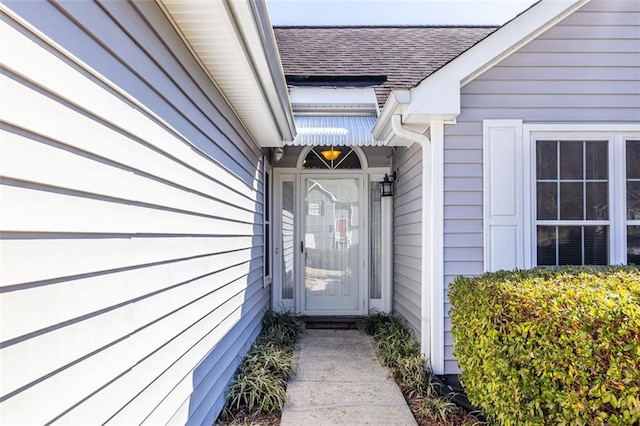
(132,243)
(585,69)
(407,235)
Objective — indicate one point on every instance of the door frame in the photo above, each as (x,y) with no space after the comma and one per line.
(366,176)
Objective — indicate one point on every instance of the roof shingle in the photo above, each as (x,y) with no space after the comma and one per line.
(405,55)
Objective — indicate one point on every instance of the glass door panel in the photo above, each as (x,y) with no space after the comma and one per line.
(287,227)
(332,245)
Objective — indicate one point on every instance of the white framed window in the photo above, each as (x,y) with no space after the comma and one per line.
(572,202)
(315,208)
(585,195)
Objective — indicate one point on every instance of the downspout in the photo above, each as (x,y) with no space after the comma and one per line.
(425,307)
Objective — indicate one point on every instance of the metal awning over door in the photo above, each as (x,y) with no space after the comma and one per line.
(334,130)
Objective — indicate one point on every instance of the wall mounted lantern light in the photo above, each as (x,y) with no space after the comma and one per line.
(386,186)
(277,154)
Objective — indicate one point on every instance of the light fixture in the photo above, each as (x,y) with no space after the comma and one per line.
(386,186)
(331,154)
(277,154)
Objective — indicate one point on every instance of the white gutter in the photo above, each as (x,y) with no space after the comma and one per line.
(425,255)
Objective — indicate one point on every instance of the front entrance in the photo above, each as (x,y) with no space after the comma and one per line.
(331,235)
(331,266)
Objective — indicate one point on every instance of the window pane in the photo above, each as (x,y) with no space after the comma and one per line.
(633,245)
(597,201)
(633,200)
(569,245)
(350,161)
(267,250)
(375,234)
(287,240)
(571,198)
(571,160)
(547,202)
(596,245)
(267,197)
(597,160)
(546,160)
(579,193)
(633,180)
(546,245)
(633,159)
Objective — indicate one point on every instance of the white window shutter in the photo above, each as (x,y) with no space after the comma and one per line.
(503,195)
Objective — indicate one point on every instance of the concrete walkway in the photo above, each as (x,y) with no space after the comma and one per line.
(340,382)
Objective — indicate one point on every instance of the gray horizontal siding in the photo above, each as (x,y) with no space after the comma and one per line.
(407,236)
(131,223)
(585,69)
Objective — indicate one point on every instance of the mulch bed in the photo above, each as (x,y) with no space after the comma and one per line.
(249,418)
(461,418)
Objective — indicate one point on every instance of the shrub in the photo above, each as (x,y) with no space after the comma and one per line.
(550,346)
(372,322)
(437,409)
(262,376)
(398,349)
(414,377)
(280,329)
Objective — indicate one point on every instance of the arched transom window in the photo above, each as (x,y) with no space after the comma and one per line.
(332,157)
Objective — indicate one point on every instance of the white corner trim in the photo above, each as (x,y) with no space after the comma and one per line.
(437,244)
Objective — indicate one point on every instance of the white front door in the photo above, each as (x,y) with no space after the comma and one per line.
(332,240)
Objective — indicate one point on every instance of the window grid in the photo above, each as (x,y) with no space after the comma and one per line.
(559,223)
(347,159)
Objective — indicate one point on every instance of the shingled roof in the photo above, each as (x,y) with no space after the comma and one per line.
(405,55)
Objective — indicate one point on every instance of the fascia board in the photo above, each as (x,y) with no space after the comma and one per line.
(396,104)
(440,87)
(437,97)
(253,22)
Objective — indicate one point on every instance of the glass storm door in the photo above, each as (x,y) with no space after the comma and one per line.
(331,246)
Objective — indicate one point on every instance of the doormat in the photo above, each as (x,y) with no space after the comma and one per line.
(331,325)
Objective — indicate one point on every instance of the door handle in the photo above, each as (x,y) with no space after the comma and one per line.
(303,250)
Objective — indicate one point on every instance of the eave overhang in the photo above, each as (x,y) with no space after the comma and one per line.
(235,45)
(437,98)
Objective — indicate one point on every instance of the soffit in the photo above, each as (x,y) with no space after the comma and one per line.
(217,39)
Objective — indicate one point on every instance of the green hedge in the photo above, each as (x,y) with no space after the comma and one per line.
(550,346)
